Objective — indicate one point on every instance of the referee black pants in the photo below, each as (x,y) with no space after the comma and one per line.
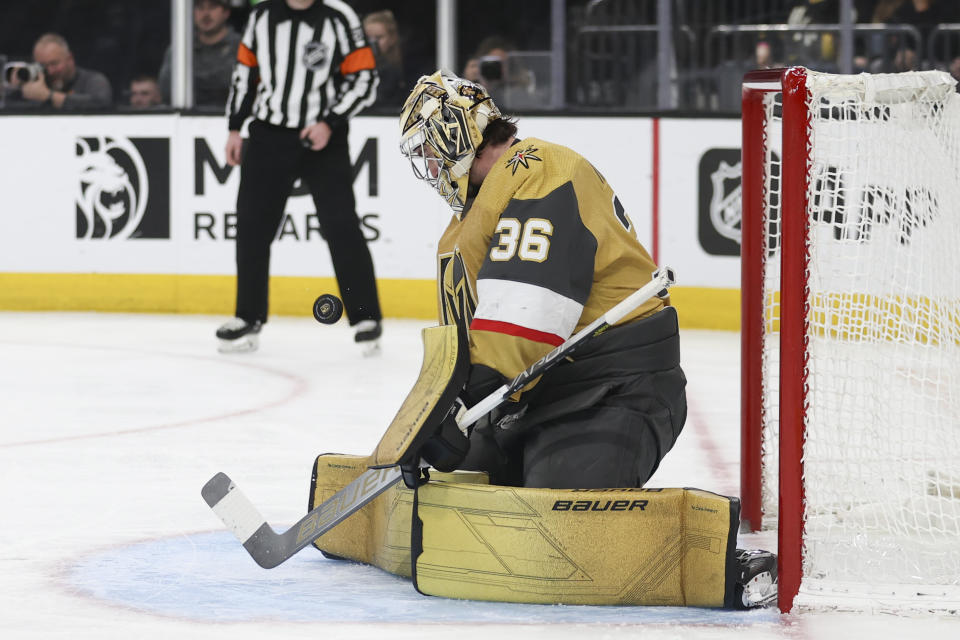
(273,159)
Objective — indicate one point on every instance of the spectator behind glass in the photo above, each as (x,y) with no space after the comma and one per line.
(819,49)
(471,70)
(381,30)
(926,14)
(145,93)
(491,58)
(215,45)
(884,10)
(899,53)
(767,54)
(62,84)
(506,81)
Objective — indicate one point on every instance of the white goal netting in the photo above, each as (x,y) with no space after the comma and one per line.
(882,377)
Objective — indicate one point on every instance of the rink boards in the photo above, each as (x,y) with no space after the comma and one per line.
(137,213)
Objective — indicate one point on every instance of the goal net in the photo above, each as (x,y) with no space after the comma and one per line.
(851,335)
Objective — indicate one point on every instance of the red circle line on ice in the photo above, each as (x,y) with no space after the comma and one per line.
(298,387)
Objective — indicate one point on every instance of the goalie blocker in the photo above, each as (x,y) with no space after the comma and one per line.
(459,537)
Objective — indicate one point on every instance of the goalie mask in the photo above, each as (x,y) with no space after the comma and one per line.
(441,126)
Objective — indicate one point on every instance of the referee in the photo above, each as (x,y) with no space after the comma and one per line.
(303,69)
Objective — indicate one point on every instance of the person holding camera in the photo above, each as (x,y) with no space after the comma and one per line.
(504,79)
(303,70)
(55,81)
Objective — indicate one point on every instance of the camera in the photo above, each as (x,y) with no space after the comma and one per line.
(23,71)
(491,68)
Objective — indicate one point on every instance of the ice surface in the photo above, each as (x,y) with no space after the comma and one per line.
(111,423)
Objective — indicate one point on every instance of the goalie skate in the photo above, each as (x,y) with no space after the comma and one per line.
(239,336)
(757,582)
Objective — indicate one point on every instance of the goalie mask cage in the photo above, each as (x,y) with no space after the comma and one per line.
(851,336)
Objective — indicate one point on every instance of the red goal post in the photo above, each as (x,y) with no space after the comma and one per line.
(850,335)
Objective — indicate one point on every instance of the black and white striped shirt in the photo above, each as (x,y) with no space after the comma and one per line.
(296,67)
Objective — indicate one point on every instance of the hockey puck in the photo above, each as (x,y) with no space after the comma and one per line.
(327,309)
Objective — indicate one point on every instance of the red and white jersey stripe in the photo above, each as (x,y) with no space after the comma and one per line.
(525,310)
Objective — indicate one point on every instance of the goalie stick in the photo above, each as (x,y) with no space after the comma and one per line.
(269,548)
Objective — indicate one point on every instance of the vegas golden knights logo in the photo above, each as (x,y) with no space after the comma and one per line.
(451,134)
(523,158)
(429,92)
(457,300)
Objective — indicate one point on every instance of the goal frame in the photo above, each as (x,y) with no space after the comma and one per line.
(791,82)
(850,343)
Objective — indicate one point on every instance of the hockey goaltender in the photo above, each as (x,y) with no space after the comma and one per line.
(542,500)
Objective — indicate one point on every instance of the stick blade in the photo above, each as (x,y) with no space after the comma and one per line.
(216,488)
(235,510)
(270,549)
(267,548)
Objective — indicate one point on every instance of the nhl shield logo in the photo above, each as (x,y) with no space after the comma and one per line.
(316,55)
(718,220)
(725,200)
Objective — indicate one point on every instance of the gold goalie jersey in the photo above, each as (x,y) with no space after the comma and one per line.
(544,249)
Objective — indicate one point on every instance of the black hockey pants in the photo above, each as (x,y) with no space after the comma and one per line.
(604,420)
(273,159)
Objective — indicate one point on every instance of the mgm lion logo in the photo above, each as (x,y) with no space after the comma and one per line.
(116,197)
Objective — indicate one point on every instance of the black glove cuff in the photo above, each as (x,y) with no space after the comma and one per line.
(481,382)
(413,476)
(446,449)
